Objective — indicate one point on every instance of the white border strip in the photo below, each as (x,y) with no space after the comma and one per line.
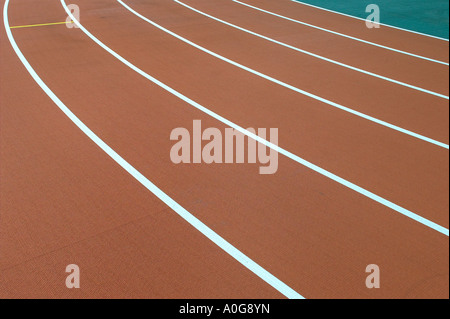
(280,150)
(316,55)
(386,25)
(288,86)
(196,223)
(341,34)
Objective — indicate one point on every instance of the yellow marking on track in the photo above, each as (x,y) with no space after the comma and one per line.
(39,25)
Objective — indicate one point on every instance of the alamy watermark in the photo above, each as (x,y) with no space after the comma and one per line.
(373,19)
(373,280)
(73,279)
(231,147)
(75,11)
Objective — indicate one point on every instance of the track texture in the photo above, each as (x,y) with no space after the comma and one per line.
(64,201)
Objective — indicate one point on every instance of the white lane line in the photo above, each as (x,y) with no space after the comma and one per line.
(386,25)
(280,150)
(187,216)
(341,34)
(288,86)
(316,55)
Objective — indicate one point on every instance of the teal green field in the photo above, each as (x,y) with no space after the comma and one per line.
(430,17)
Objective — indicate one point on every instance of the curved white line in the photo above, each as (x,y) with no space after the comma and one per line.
(342,34)
(316,55)
(384,24)
(280,150)
(288,86)
(191,219)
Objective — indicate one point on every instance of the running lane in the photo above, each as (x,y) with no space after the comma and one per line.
(392,37)
(310,232)
(64,201)
(410,109)
(404,68)
(405,170)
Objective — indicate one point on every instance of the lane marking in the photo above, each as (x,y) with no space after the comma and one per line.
(386,25)
(187,216)
(39,25)
(341,34)
(288,86)
(316,55)
(280,150)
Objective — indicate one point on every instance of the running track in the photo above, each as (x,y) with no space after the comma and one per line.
(68,196)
